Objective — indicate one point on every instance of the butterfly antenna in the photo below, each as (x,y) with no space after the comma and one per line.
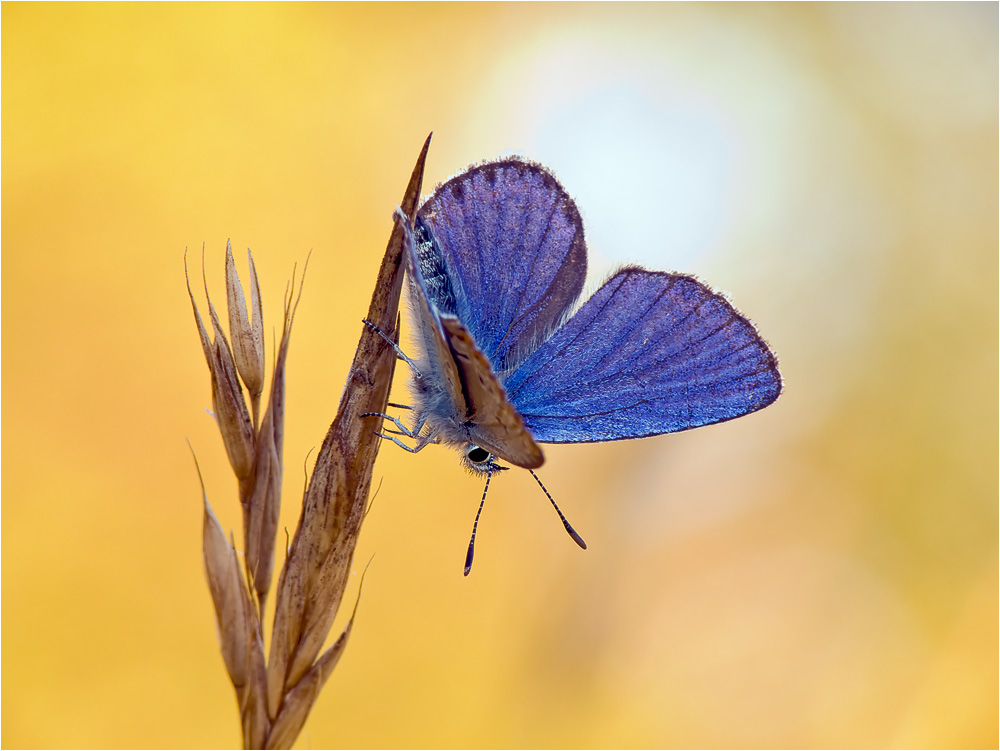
(475,524)
(569,528)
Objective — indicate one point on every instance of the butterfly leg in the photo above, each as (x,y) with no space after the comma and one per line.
(415,433)
(412,449)
(395,421)
(392,432)
(399,353)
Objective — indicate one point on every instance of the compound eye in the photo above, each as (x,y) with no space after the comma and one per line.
(477,455)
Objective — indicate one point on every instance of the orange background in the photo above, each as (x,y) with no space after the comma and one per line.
(823,573)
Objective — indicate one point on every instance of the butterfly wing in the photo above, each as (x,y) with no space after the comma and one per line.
(511,240)
(494,423)
(649,353)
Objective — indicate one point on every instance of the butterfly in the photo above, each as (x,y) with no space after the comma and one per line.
(495,264)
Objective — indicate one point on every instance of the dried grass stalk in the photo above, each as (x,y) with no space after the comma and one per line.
(275,699)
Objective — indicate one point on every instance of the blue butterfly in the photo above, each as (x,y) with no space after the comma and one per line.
(496,262)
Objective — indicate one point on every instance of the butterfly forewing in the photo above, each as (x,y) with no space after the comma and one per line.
(494,423)
(512,241)
(649,353)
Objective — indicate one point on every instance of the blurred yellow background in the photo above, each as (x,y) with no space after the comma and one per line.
(823,573)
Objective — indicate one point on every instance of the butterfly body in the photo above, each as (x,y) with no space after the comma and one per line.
(496,262)
(457,394)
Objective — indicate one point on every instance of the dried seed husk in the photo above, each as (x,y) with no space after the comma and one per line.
(238,627)
(299,701)
(227,395)
(247,331)
(232,416)
(230,407)
(206,342)
(260,517)
(225,582)
(262,511)
(314,576)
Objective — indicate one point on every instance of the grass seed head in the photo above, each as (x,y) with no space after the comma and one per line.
(275,698)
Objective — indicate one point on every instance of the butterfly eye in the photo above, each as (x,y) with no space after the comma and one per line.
(477,455)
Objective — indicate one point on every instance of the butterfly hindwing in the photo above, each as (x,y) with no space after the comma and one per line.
(649,353)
